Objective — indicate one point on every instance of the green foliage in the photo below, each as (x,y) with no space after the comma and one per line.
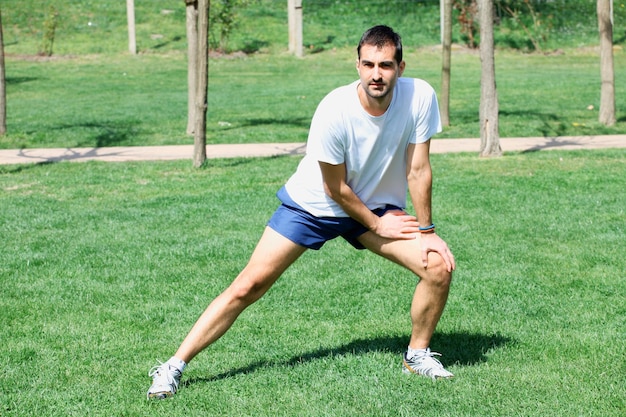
(536,25)
(225,15)
(49,31)
(468,21)
(105,266)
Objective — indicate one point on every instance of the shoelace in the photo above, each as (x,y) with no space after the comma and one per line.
(428,359)
(426,353)
(160,371)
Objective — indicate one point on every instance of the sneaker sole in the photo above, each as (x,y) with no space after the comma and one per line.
(160,395)
(408,370)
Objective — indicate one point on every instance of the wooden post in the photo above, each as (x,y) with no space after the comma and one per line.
(192,61)
(202,83)
(291,18)
(130,15)
(446,61)
(3,94)
(294,14)
(607,71)
(489,109)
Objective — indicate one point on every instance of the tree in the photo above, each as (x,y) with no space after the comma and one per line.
(202,84)
(294,14)
(130,17)
(607,75)
(3,95)
(192,62)
(224,18)
(467,19)
(446,41)
(489,131)
(49,32)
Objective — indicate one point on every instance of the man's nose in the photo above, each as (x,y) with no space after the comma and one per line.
(376,74)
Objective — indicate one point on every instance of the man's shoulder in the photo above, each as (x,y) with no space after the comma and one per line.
(346,90)
(414,91)
(417,84)
(339,99)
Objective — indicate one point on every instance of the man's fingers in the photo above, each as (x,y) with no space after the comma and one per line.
(425,258)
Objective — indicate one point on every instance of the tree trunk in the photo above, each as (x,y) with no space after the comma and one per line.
(607,75)
(489,130)
(3,95)
(192,62)
(446,47)
(202,83)
(294,15)
(130,15)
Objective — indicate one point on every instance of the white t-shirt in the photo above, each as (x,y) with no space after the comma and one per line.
(373,148)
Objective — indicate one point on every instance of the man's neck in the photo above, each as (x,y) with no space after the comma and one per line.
(374,106)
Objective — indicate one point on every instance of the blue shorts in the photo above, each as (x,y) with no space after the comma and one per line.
(305,229)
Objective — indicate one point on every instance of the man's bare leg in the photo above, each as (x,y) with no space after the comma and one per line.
(272,256)
(431,292)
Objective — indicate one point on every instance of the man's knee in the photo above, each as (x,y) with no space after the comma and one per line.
(247,288)
(437,271)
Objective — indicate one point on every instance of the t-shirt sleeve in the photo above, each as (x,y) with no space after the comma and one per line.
(428,121)
(325,142)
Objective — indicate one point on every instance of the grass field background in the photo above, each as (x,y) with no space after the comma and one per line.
(91,92)
(104,268)
(132,101)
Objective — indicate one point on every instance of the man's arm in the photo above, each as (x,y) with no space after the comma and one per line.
(420,179)
(393,225)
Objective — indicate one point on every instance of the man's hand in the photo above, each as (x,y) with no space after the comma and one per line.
(396,224)
(433,243)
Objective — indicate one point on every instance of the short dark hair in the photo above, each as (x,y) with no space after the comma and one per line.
(380,36)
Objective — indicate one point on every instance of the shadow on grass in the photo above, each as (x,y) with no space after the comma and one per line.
(551,123)
(161,45)
(463,349)
(17,168)
(303,122)
(104,133)
(19,80)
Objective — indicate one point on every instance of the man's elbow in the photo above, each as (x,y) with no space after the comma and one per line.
(419,175)
(332,192)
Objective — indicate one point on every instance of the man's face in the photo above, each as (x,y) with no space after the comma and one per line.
(378,70)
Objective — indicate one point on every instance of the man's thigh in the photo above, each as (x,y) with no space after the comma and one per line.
(407,253)
(274,253)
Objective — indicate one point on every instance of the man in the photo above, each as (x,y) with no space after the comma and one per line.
(368,142)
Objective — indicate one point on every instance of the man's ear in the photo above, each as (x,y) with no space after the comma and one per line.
(401,68)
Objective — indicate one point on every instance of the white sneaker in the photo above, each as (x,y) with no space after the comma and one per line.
(165,380)
(425,364)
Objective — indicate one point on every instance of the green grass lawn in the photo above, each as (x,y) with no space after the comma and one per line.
(92,93)
(104,268)
(99,26)
(132,101)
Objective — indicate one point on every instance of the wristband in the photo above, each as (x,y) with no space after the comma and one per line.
(427,229)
